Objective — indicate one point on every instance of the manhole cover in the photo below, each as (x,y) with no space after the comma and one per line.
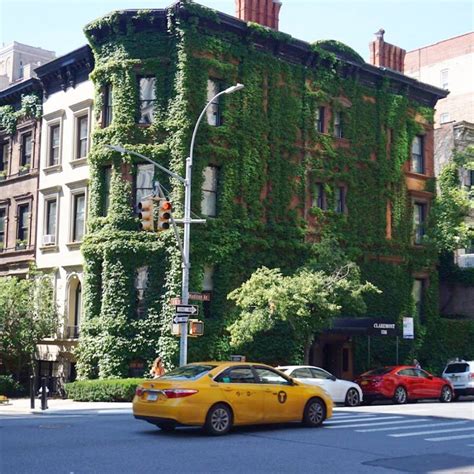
(426,463)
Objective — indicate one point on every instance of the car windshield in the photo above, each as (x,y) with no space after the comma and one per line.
(379,371)
(188,372)
(457,368)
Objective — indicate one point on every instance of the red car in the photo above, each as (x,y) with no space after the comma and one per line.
(403,383)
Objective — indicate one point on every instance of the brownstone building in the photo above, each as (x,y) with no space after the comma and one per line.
(19,163)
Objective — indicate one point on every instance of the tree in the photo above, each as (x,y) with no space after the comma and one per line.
(307,300)
(453,204)
(27,315)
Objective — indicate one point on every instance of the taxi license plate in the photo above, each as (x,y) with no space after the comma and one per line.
(364,382)
(152,397)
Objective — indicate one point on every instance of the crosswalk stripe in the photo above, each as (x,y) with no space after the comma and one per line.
(345,420)
(393,428)
(350,415)
(448,438)
(357,425)
(419,433)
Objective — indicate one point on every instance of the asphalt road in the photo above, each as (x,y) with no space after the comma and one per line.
(423,437)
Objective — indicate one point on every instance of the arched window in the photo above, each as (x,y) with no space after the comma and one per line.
(74,307)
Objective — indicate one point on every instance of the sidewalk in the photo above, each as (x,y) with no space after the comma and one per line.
(21,406)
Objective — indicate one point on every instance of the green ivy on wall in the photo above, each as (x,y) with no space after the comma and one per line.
(269,156)
(31,107)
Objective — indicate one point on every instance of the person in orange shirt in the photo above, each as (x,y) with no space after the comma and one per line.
(157,369)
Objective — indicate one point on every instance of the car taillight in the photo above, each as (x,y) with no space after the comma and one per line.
(139,391)
(179,392)
(472,375)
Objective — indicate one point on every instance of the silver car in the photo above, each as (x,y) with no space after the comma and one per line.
(461,374)
(341,391)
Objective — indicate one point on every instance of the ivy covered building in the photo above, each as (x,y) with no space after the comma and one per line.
(317,142)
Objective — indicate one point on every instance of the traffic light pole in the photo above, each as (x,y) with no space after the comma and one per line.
(187,221)
(183,341)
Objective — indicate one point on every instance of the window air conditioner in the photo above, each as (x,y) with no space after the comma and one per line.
(49,239)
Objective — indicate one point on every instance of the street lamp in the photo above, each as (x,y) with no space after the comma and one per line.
(187,221)
(183,342)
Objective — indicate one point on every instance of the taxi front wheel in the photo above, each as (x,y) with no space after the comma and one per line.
(314,412)
(218,420)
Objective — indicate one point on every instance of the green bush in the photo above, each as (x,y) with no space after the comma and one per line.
(10,387)
(106,390)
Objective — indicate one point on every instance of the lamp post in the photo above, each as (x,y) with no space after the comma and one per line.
(187,221)
(183,342)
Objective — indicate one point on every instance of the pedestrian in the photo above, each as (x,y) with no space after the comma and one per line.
(157,369)
(416,364)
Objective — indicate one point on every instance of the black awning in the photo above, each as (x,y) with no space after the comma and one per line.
(363,327)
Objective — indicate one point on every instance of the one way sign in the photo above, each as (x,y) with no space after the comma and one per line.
(187,309)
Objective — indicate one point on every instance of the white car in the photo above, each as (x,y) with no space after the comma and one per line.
(461,374)
(341,391)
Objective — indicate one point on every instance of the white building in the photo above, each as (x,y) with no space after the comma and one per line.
(62,198)
(17,62)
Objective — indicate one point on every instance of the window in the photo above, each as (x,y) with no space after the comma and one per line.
(214,112)
(269,376)
(82,136)
(209,191)
(26,150)
(418,292)
(147,98)
(319,196)
(4,158)
(340,199)
(141,283)
(236,375)
(77,309)
(419,217)
(107,183)
(338,130)
(417,158)
(144,181)
(3,228)
(320,119)
(54,144)
(23,227)
(79,213)
(444,118)
(50,223)
(468,180)
(303,373)
(320,374)
(444,78)
(107,111)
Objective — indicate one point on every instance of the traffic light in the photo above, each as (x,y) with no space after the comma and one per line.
(196,327)
(164,215)
(145,214)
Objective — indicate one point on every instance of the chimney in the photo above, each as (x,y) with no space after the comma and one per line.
(387,55)
(265,12)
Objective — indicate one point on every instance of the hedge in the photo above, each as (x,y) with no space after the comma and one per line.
(106,390)
(10,387)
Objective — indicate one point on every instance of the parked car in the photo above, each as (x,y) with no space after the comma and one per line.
(403,383)
(461,375)
(341,391)
(219,395)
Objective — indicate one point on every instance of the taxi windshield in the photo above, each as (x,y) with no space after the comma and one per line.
(187,372)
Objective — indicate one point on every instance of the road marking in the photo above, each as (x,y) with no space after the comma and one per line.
(357,425)
(448,438)
(393,428)
(419,433)
(345,420)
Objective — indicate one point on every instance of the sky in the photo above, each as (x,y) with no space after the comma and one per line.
(57,24)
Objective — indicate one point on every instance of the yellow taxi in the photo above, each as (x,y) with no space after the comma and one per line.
(219,395)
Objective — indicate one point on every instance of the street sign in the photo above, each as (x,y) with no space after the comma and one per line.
(180,318)
(187,309)
(408,329)
(200,296)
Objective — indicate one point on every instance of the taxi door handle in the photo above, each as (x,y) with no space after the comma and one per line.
(228,389)
(270,391)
